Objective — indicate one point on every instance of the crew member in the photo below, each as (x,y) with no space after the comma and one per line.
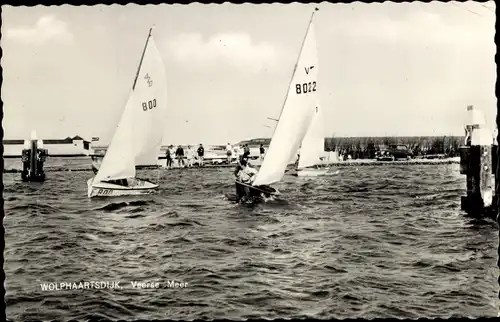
(201,154)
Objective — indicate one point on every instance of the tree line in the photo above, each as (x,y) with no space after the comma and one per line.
(366,147)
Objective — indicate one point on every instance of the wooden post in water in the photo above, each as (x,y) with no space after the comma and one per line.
(476,162)
(33,156)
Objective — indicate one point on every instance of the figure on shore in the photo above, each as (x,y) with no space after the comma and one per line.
(190,156)
(169,157)
(229,153)
(179,153)
(201,155)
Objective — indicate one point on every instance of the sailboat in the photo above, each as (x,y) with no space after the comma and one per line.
(313,149)
(295,117)
(139,133)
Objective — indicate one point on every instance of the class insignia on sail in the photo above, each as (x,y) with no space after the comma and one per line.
(139,134)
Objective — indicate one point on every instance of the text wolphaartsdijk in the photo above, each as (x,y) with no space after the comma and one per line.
(79,286)
(109,285)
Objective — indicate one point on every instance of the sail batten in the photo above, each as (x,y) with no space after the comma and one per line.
(139,133)
(296,114)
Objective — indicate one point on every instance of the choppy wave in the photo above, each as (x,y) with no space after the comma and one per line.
(368,242)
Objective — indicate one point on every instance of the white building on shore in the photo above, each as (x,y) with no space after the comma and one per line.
(68,147)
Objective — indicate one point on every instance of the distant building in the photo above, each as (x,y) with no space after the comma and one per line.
(67,147)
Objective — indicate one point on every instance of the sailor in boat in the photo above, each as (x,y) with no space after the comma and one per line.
(179,153)
(95,162)
(262,151)
(201,154)
(239,166)
(246,151)
(229,153)
(169,157)
(245,174)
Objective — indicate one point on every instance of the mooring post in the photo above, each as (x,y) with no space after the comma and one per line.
(33,154)
(33,157)
(476,162)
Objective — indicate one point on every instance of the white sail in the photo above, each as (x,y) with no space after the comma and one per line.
(296,115)
(119,160)
(139,133)
(151,96)
(313,145)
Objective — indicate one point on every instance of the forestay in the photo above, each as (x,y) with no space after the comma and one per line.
(139,133)
(313,145)
(296,115)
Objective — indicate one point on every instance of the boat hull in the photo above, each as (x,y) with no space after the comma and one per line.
(135,187)
(311,172)
(249,193)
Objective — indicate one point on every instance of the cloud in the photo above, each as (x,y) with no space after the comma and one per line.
(47,28)
(236,49)
(425,28)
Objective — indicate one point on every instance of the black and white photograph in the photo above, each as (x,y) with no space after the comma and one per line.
(250,161)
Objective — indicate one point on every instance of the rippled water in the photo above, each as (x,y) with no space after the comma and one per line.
(363,242)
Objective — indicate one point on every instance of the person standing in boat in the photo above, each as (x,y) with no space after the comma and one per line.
(262,151)
(169,158)
(246,151)
(179,153)
(201,154)
(229,153)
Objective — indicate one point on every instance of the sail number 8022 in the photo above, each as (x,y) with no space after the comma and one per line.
(149,105)
(305,88)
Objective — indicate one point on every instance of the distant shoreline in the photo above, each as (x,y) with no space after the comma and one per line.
(350,163)
(50,156)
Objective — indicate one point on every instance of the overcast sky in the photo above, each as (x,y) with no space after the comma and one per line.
(385,69)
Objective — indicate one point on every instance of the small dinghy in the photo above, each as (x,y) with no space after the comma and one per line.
(138,137)
(295,118)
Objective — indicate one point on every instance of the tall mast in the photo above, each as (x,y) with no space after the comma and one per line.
(295,67)
(142,57)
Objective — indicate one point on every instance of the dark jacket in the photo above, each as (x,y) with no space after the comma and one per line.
(237,170)
(179,152)
(201,151)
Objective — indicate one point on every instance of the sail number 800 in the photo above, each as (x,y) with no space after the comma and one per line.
(305,88)
(149,105)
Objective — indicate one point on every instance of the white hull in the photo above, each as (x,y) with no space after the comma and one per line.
(135,187)
(312,172)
